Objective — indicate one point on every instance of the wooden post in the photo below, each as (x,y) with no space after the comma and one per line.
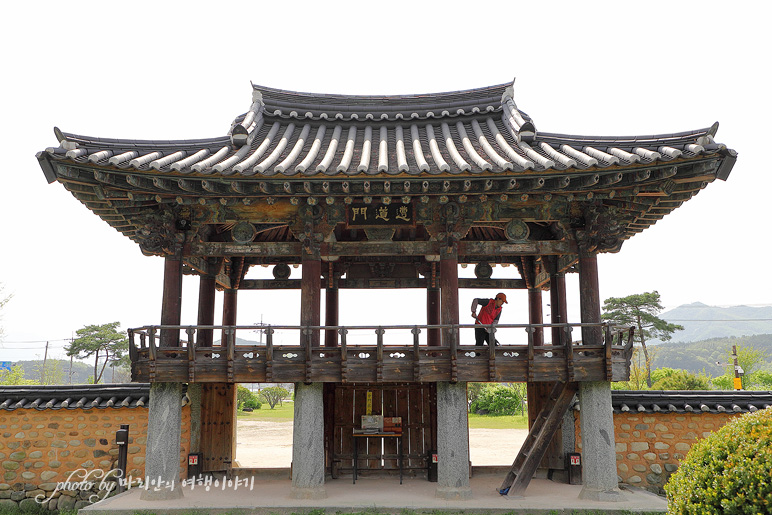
(331,316)
(205,310)
(218,402)
(449,298)
(171,305)
(558,308)
(589,298)
(229,311)
(310,296)
(539,392)
(433,316)
(536,315)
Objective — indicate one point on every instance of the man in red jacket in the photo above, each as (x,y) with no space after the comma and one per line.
(489,314)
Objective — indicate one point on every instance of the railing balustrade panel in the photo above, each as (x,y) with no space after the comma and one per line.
(378,354)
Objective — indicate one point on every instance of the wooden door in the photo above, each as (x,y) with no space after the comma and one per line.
(416,403)
(218,426)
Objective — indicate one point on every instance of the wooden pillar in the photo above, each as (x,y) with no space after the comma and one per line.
(205,310)
(229,311)
(599,475)
(433,337)
(449,296)
(331,312)
(218,406)
(171,305)
(535,314)
(558,308)
(310,296)
(537,392)
(589,298)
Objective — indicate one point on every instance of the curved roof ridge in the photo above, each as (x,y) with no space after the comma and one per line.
(297,104)
(91,140)
(487,91)
(684,135)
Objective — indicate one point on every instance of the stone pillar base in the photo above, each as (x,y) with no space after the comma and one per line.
(164,494)
(297,492)
(452,442)
(599,468)
(307,444)
(164,423)
(453,494)
(614,495)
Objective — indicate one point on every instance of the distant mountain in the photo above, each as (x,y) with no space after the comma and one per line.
(703,322)
(81,372)
(703,355)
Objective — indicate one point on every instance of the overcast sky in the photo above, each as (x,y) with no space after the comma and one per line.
(161,70)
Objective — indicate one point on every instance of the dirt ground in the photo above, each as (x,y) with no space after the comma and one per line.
(267,444)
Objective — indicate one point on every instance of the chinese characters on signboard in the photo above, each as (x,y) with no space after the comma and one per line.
(369,215)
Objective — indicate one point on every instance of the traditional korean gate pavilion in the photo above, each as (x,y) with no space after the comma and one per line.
(384,192)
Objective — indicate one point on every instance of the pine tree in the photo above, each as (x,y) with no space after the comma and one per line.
(99,341)
(641,310)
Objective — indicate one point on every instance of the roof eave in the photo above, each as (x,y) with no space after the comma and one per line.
(730,158)
(46,166)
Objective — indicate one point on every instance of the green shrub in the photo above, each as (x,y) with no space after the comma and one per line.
(246,399)
(728,472)
(681,380)
(252,403)
(500,399)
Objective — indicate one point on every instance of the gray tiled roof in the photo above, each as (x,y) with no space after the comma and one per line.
(697,401)
(289,134)
(87,396)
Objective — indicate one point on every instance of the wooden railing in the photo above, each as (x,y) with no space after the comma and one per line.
(411,359)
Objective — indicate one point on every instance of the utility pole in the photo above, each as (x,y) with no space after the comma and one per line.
(43,368)
(72,340)
(738,383)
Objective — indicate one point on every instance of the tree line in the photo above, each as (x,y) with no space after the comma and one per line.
(105,343)
(642,310)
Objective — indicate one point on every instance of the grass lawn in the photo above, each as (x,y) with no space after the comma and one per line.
(498,422)
(279,413)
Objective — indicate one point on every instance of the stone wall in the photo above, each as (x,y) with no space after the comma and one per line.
(40,448)
(650,446)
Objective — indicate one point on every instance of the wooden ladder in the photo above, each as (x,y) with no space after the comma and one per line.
(535,446)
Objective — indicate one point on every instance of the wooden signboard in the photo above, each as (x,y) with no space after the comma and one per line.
(379,215)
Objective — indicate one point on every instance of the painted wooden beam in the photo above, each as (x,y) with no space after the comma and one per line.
(260,249)
(529,248)
(387,248)
(386,283)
